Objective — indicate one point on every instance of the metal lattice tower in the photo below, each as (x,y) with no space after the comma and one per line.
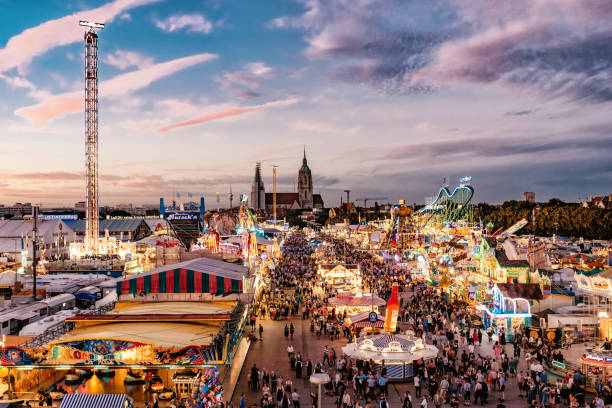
(92,227)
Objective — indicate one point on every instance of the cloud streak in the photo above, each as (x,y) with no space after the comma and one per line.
(228,112)
(59,105)
(194,23)
(22,48)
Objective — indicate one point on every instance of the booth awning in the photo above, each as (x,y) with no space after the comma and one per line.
(94,401)
(362,324)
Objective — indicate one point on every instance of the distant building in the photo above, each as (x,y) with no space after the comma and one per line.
(529,196)
(80,206)
(598,202)
(132,229)
(305,185)
(303,199)
(258,191)
(54,238)
(17,210)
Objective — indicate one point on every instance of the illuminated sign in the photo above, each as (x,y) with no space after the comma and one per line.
(182,216)
(558,364)
(60,217)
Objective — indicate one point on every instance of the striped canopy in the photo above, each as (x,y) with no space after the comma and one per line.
(201,275)
(366,323)
(179,280)
(93,401)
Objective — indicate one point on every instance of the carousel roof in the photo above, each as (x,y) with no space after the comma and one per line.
(390,347)
(383,341)
(356,301)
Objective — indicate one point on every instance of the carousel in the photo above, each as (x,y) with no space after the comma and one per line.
(397,352)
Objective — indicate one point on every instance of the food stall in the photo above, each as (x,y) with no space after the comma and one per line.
(354,304)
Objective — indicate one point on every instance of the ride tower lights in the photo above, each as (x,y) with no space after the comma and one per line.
(92,226)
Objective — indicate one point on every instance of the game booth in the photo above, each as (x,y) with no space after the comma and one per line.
(505,313)
(340,275)
(355,304)
(596,365)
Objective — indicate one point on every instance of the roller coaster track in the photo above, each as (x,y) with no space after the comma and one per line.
(447,206)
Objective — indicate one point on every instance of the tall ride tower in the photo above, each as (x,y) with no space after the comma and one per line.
(91,136)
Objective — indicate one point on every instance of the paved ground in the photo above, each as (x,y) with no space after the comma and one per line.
(271,354)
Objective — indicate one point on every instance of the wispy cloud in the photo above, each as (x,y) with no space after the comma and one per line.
(244,83)
(22,48)
(195,23)
(72,102)
(228,112)
(323,127)
(124,59)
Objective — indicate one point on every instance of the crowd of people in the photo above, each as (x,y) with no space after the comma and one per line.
(468,369)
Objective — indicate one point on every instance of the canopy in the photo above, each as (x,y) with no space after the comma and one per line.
(356,301)
(200,275)
(94,401)
(86,296)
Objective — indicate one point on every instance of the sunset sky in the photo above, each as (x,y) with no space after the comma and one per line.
(389,97)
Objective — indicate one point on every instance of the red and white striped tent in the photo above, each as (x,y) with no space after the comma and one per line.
(201,275)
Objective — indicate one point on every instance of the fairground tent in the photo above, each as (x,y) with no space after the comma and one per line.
(201,275)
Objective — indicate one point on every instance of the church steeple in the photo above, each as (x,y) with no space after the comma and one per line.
(305,184)
(304,168)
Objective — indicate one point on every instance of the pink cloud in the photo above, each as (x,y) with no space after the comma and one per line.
(22,48)
(72,102)
(227,112)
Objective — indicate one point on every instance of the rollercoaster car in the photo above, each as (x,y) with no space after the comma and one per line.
(57,395)
(133,378)
(105,372)
(84,372)
(156,384)
(166,394)
(72,378)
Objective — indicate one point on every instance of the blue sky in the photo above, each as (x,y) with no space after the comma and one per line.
(388,96)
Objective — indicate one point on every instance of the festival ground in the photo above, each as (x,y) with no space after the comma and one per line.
(271,354)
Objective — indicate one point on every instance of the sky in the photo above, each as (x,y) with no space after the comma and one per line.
(389,97)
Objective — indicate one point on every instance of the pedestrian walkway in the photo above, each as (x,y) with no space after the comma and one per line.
(271,354)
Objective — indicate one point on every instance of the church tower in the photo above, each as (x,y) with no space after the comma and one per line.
(305,185)
(258,192)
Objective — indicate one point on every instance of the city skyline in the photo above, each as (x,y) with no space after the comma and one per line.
(389,98)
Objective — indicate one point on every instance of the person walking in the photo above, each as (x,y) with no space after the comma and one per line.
(295,398)
(260,332)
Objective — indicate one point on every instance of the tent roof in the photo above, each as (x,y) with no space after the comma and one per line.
(21,228)
(130,224)
(93,401)
(204,265)
(356,301)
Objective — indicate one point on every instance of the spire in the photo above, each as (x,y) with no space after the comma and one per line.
(304,168)
(258,179)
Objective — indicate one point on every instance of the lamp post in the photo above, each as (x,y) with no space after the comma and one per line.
(319,378)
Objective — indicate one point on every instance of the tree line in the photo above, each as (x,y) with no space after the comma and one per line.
(546,219)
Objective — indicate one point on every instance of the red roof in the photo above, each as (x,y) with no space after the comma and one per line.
(148,317)
(282,198)
(356,301)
